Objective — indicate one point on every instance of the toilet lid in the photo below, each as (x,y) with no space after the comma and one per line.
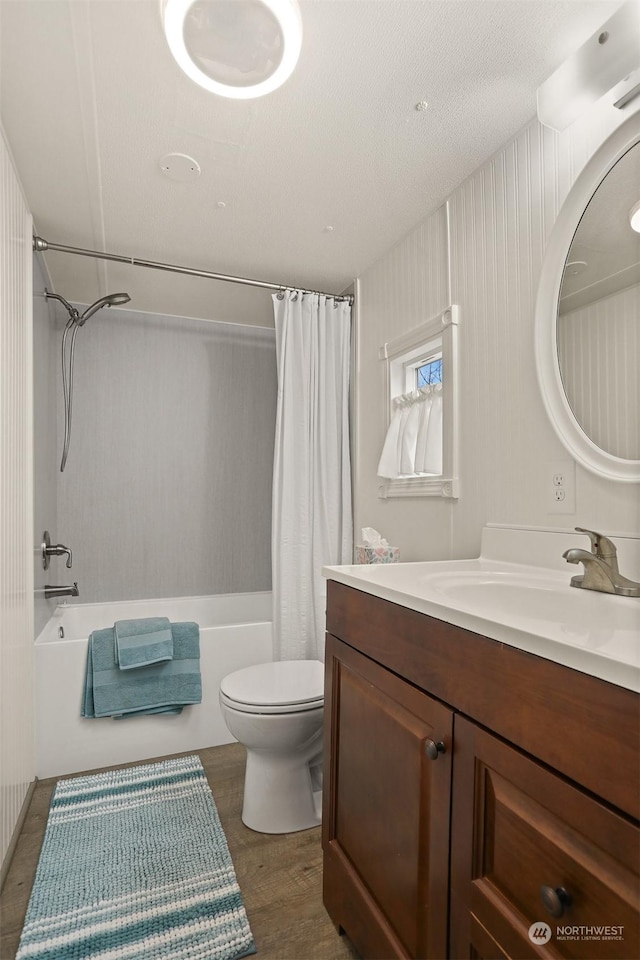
(281,684)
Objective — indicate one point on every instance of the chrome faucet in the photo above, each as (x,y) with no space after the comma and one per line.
(600,567)
(51,592)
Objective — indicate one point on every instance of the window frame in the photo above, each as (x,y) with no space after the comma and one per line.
(439,334)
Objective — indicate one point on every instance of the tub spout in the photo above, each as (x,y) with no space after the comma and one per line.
(50,592)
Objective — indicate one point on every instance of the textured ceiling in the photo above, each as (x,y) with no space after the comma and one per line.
(92,99)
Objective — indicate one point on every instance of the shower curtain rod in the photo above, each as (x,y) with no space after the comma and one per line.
(41,245)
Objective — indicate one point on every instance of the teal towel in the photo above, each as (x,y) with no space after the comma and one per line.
(141,642)
(149,712)
(160,687)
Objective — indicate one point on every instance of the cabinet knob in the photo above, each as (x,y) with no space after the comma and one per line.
(555,899)
(433,749)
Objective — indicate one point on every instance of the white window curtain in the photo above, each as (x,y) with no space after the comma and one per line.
(311,519)
(413,445)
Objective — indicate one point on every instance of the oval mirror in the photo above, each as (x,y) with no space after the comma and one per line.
(588,313)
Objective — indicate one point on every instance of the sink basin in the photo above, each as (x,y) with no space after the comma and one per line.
(513,592)
(535,598)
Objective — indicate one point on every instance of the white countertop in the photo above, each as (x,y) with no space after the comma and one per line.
(531,607)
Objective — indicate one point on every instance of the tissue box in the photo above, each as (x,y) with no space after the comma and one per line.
(366,554)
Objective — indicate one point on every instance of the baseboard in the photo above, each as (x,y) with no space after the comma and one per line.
(11,849)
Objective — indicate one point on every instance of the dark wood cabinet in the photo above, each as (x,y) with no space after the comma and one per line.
(470,789)
(387,824)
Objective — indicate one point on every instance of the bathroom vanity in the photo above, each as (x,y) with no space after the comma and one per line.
(474,790)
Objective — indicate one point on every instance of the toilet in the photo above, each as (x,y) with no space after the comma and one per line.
(275,710)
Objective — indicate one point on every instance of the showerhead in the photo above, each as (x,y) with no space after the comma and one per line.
(112,300)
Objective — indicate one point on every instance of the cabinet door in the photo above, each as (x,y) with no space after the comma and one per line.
(386,809)
(538,868)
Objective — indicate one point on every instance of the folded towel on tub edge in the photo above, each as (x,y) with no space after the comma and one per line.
(159,687)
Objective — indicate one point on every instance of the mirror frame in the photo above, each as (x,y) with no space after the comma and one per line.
(563,420)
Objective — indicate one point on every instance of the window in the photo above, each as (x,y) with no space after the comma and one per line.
(429,372)
(419,455)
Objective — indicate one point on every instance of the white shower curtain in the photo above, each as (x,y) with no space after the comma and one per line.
(311,520)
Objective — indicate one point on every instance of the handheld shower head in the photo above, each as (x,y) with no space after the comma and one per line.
(112,300)
(74,322)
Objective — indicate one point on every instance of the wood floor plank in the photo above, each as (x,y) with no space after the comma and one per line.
(280,876)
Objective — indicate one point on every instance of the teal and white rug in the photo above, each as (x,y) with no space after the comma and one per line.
(135,866)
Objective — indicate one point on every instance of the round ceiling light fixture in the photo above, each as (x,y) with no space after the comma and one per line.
(634,217)
(235,48)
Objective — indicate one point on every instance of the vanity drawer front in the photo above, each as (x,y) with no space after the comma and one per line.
(511,837)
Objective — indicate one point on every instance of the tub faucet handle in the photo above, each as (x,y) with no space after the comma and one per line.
(61,551)
(54,550)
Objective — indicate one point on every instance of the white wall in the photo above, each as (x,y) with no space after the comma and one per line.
(46,361)
(408,286)
(16,506)
(500,220)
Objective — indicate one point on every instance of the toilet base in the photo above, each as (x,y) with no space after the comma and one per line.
(281,794)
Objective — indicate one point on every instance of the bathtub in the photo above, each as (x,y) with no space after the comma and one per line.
(235,632)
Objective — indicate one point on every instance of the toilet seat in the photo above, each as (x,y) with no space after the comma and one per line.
(285,686)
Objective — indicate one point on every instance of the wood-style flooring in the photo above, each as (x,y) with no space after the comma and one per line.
(280,876)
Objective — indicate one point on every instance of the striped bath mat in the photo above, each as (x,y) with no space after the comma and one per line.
(135,866)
